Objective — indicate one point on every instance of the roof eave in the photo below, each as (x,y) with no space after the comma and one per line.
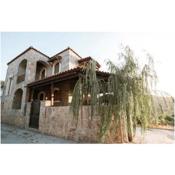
(68,48)
(22,53)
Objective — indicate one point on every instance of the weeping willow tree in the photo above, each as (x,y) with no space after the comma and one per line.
(86,90)
(124,100)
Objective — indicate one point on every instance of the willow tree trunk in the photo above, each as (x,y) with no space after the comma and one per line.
(129,124)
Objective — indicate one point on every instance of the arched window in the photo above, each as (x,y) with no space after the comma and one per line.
(21,71)
(17,99)
(57,68)
(41,70)
(42,73)
(41,96)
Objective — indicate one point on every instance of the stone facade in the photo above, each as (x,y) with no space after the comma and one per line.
(73,60)
(8,113)
(32,57)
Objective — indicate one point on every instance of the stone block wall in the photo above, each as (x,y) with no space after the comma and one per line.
(58,121)
(16,117)
(13,117)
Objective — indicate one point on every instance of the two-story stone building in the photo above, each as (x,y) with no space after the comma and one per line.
(38,90)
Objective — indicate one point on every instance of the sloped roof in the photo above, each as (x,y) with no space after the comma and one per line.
(65,75)
(87,59)
(53,57)
(25,52)
(68,48)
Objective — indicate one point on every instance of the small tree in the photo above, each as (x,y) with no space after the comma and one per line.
(125,100)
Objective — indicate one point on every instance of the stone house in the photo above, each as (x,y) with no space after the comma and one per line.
(38,90)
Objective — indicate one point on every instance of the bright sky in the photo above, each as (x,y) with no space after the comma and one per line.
(101,46)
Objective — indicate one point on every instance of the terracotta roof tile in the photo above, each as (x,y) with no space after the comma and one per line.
(87,59)
(65,74)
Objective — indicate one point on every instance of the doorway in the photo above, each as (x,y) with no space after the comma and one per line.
(34,114)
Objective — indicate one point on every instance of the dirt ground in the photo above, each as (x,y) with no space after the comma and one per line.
(155,136)
(11,134)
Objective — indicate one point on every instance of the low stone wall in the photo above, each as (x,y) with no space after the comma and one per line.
(27,117)
(13,117)
(58,121)
(16,117)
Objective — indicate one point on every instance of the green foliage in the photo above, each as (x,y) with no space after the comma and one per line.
(163,110)
(126,96)
(86,90)
(166,120)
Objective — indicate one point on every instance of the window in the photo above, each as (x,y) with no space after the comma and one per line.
(42,74)
(17,99)
(22,71)
(57,67)
(41,70)
(41,96)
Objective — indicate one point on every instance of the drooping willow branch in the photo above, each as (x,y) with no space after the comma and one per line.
(126,95)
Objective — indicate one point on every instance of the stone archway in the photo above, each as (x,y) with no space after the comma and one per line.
(22,71)
(41,96)
(41,70)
